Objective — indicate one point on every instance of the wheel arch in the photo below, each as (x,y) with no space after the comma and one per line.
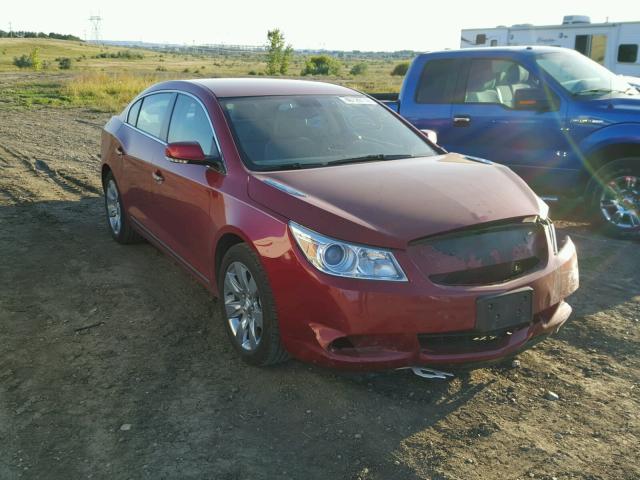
(600,157)
(224,242)
(106,169)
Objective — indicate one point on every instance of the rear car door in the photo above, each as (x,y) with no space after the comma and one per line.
(486,124)
(184,196)
(143,147)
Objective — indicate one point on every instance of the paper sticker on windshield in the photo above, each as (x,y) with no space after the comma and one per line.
(357,100)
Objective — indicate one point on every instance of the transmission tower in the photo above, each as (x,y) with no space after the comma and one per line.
(96,21)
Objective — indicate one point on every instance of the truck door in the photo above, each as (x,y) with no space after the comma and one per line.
(434,90)
(487,124)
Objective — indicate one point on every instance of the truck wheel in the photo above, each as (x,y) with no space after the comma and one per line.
(614,197)
(248,308)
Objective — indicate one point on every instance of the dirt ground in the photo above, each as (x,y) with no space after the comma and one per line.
(114,362)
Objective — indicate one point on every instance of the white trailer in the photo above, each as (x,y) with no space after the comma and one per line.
(614,45)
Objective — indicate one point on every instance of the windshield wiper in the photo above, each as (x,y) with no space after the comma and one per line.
(294,166)
(595,91)
(370,158)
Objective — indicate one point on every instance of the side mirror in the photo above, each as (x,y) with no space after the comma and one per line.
(535,99)
(191,152)
(431,135)
(185,152)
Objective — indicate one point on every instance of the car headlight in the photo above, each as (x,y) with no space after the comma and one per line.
(343,259)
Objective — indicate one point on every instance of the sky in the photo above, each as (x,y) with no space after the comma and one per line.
(327,24)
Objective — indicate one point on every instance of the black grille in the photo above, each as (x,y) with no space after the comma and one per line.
(485,254)
(464,341)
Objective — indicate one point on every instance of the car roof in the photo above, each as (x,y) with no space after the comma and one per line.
(250,87)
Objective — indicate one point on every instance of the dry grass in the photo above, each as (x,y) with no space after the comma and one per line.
(107,84)
(104,91)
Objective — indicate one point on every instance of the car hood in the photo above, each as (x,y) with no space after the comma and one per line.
(390,203)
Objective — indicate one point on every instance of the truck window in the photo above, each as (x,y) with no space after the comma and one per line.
(627,53)
(496,81)
(438,81)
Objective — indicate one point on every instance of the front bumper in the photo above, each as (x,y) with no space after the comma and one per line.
(359,324)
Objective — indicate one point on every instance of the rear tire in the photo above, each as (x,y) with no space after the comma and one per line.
(248,309)
(614,198)
(117,221)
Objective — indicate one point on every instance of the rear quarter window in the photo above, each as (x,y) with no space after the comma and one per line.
(132,116)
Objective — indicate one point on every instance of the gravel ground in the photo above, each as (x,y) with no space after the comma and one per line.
(114,362)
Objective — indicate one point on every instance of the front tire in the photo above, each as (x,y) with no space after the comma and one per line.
(117,221)
(248,309)
(614,198)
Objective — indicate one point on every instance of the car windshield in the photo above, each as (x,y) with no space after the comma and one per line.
(305,131)
(580,75)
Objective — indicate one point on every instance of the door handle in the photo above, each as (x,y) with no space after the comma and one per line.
(461,120)
(119,151)
(157,177)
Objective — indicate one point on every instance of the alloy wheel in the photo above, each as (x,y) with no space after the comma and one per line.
(620,202)
(243,306)
(114,211)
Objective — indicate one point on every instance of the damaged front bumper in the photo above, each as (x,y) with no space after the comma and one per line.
(351,324)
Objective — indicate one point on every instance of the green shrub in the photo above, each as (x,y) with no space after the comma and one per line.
(321,65)
(359,69)
(125,54)
(64,63)
(400,69)
(29,61)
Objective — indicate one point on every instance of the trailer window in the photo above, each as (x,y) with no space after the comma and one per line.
(628,53)
(592,46)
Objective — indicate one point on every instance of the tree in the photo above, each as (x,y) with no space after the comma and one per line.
(321,65)
(278,55)
(400,69)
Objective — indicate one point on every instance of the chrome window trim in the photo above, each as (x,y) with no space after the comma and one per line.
(213,130)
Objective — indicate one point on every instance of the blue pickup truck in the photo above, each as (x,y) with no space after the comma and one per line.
(565,124)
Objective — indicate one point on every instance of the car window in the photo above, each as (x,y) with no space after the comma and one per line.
(189,123)
(438,81)
(497,81)
(153,113)
(132,116)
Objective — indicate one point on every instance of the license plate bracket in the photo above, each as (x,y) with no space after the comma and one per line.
(509,309)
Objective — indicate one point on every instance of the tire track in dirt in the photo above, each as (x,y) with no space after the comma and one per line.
(31,175)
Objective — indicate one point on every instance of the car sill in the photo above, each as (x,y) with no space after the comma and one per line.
(170,251)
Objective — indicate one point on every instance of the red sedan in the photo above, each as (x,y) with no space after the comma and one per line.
(332,230)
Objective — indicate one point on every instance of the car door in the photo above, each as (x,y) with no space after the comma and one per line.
(486,124)
(142,148)
(435,90)
(184,195)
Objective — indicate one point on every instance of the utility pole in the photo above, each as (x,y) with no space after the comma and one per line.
(96,21)
(10,30)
